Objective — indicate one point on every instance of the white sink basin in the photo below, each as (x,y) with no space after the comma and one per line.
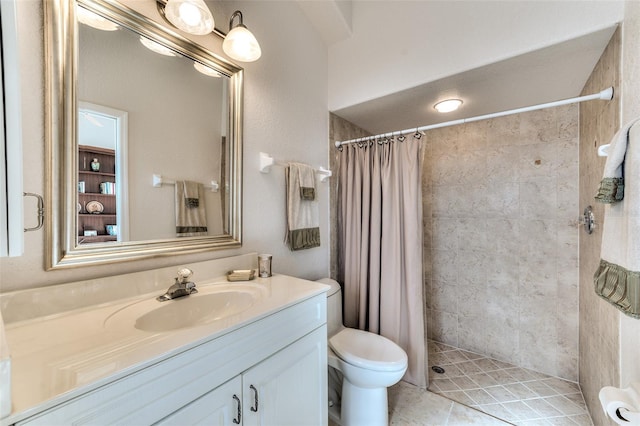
(212,303)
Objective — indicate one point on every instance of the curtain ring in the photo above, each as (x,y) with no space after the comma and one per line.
(401,138)
(379,140)
(418,134)
(341,148)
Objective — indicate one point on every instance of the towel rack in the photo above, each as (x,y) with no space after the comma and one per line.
(158,181)
(266,161)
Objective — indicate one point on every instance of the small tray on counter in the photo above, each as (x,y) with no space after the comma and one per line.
(241,275)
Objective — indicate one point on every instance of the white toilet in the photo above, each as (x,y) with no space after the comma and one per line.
(367,364)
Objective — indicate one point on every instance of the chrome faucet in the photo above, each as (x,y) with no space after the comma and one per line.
(182,286)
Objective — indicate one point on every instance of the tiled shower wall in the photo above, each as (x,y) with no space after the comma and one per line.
(599,345)
(501,242)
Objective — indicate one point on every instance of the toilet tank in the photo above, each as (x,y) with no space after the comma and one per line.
(334,306)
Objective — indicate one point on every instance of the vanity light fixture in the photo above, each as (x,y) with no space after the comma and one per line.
(208,71)
(94,20)
(448,105)
(240,44)
(156,47)
(191,16)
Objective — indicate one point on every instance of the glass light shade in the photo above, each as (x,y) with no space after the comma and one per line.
(448,105)
(94,20)
(191,16)
(241,45)
(206,70)
(156,47)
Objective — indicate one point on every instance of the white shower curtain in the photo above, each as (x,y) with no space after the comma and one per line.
(380,243)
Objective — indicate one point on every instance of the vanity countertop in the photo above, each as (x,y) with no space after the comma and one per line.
(58,357)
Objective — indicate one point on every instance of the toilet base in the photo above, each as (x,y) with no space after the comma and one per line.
(363,406)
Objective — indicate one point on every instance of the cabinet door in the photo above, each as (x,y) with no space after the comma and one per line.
(290,387)
(220,407)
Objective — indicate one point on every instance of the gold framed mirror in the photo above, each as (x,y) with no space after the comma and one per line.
(123,202)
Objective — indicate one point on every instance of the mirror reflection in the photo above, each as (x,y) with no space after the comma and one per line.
(145,143)
(146,110)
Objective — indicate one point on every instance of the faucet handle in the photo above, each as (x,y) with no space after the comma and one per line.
(184,274)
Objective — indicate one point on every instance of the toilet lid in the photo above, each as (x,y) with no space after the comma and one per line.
(368,350)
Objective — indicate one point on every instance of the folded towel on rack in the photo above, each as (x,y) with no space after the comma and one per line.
(612,185)
(303,223)
(617,279)
(307,181)
(191,195)
(191,216)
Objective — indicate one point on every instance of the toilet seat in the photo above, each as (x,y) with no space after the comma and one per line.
(368,350)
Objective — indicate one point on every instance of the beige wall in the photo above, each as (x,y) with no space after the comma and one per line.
(283,115)
(599,344)
(609,340)
(500,206)
(629,327)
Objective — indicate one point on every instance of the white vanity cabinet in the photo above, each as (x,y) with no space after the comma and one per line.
(278,360)
(285,389)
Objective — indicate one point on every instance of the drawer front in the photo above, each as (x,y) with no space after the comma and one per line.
(152,393)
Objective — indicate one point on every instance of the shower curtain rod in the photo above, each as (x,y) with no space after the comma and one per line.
(606,94)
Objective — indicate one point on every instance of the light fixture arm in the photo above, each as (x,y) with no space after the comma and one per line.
(237,14)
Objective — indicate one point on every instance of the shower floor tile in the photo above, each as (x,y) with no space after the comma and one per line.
(508,392)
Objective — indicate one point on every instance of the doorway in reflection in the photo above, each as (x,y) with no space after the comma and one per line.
(102,174)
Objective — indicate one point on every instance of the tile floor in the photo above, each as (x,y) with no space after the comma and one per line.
(411,406)
(514,394)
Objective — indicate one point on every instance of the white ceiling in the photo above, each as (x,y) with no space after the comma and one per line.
(554,73)
(391,60)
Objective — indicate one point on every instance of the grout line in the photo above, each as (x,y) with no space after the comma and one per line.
(450,411)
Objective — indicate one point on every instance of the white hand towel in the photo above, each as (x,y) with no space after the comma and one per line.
(612,186)
(191,216)
(303,223)
(617,280)
(191,193)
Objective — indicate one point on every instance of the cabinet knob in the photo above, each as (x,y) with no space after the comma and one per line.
(255,398)
(238,419)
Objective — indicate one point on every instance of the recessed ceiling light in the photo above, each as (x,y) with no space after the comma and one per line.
(448,105)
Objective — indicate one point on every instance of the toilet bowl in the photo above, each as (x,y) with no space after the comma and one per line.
(367,364)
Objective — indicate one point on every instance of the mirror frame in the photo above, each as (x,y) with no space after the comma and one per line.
(61,105)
